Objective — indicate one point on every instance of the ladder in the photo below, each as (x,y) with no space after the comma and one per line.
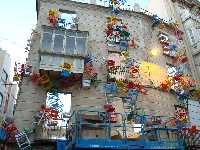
(22,141)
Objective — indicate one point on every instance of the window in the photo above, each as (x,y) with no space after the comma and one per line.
(191,36)
(1,98)
(58,41)
(67,42)
(4,76)
(47,38)
(67,19)
(61,103)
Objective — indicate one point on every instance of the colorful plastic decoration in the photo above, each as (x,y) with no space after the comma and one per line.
(134,70)
(132,43)
(111,88)
(116,4)
(181,114)
(178,34)
(156,20)
(66,66)
(90,70)
(53,17)
(50,113)
(132,95)
(109,108)
(123,45)
(180,59)
(111,113)
(165,86)
(112,20)
(34,77)
(44,79)
(182,96)
(66,69)
(194,130)
(65,73)
(162,26)
(16,77)
(110,63)
(138,87)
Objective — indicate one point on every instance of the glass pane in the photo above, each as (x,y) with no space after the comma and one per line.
(70,45)
(46,41)
(61,32)
(82,34)
(47,29)
(78,65)
(71,33)
(80,45)
(58,43)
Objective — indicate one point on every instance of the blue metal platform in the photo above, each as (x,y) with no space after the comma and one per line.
(124,143)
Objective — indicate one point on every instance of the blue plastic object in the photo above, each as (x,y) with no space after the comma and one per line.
(3,134)
(61,144)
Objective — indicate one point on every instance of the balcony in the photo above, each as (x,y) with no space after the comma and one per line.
(58,46)
(63,42)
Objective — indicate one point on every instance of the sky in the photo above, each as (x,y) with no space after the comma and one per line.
(18,18)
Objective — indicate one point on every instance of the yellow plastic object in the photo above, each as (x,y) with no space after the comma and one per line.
(133,136)
(53,12)
(16,77)
(44,79)
(66,66)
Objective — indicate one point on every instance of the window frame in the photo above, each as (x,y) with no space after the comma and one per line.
(1,100)
(4,72)
(65,51)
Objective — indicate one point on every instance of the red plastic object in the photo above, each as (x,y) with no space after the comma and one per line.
(110,62)
(112,117)
(109,108)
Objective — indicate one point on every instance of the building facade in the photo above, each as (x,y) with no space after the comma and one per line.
(6,84)
(78,59)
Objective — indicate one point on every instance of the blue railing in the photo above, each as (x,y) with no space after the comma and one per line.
(107,142)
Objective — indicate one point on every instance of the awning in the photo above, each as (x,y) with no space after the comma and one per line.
(54,62)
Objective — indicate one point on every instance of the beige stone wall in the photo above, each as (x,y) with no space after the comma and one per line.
(93,19)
